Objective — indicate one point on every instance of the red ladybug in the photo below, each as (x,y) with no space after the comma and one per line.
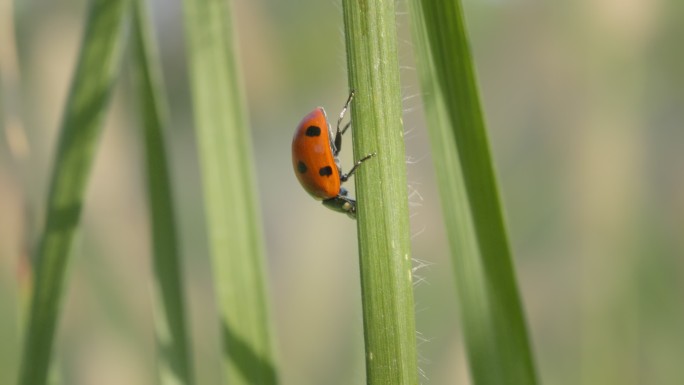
(314,158)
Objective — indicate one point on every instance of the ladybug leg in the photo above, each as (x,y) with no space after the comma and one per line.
(342,204)
(340,132)
(338,139)
(343,112)
(345,128)
(345,177)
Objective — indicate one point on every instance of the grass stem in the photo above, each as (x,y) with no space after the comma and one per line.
(381,189)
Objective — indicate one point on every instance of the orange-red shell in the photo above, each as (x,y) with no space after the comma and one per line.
(312,157)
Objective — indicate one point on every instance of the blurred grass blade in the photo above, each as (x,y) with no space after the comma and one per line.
(494,325)
(383,225)
(234,224)
(96,72)
(175,366)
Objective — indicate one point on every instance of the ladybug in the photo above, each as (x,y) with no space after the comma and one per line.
(314,158)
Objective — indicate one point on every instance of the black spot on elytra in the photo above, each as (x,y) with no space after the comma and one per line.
(301,167)
(313,131)
(325,171)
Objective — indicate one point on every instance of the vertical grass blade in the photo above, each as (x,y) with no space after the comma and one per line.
(494,325)
(96,72)
(383,225)
(234,224)
(175,365)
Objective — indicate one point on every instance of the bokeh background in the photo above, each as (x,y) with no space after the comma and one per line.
(585,108)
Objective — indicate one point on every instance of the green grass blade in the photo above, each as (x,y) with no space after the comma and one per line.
(95,75)
(494,325)
(175,365)
(383,225)
(234,224)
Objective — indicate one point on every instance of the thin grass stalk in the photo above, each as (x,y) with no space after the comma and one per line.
(381,189)
(233,218)
(175,363)
(10,282)
(93,80)
(493,320)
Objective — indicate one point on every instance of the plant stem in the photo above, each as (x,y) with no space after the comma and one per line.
(233,218)
(381,188)
(493,319)
(95,75)
(175,366)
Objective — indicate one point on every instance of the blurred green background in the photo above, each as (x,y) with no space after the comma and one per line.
(585,107)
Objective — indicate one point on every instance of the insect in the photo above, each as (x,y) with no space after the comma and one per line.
(314,157)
